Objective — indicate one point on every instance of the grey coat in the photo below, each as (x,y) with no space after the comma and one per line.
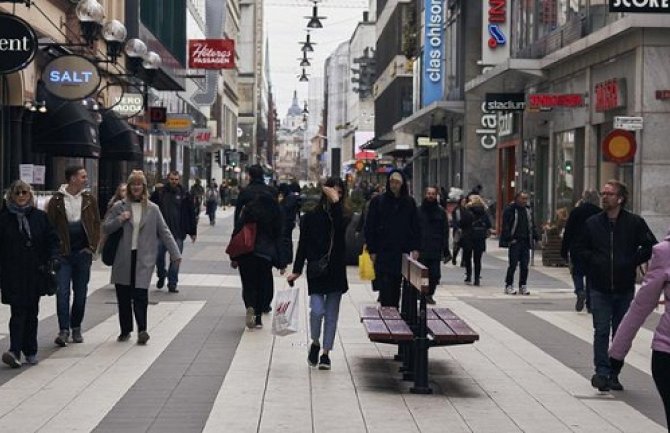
(152,229)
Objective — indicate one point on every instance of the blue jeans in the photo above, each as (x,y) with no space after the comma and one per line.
(324,306)
(607,310)
(173,271)
(75,268)
(518,254)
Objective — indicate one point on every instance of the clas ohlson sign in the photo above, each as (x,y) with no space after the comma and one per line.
(433,52)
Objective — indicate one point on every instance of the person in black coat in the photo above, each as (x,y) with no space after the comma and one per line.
(587,207)
(289,203)
(476,227)
(434,238)
(28,244)
(392,229)
(322,232)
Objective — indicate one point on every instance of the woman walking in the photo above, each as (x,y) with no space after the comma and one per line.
(28,242)
(211,202)
(322,245)
(143,226)
(476,233)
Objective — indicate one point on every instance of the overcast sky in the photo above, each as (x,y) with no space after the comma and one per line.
(286,28)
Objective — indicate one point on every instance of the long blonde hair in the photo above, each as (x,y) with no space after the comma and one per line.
(135,176)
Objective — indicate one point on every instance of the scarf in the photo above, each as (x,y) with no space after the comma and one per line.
(20,213)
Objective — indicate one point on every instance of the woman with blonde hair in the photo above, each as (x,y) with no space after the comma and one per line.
(143,226)
(28,243)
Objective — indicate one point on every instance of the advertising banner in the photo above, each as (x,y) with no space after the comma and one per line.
(432,81)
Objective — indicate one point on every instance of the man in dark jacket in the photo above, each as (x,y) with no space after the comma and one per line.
(519,235)
(434,238)
(391,229)
(176,205)
(613,244)
(587,207)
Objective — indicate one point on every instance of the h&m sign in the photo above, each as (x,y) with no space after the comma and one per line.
(610,95)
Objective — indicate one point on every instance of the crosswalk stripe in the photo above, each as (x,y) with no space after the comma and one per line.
(76,387)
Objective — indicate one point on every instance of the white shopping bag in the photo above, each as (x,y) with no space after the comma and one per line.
(286,320)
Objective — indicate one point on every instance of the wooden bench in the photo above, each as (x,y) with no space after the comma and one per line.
(415,328)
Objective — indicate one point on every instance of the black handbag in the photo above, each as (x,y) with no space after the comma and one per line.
(49,274)
(319,268)
(110,247)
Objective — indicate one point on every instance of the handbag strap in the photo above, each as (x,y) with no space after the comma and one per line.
(332,235)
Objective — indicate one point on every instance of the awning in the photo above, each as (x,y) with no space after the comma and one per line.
(118,140)
(366,154)
(512,75)
(421,120)
(66,129)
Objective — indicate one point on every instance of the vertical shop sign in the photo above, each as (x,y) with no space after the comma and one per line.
(488,131)
(433,52)
(495,32)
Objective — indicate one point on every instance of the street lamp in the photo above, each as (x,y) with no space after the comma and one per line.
(114,33)
(90,14)
(315,19)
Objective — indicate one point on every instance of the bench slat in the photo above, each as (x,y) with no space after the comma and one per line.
(439,329)
(389,313)
(399,330)
(461,328)
(445,314)
(369,312)
(377,330)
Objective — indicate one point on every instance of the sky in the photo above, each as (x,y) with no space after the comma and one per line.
(286,28)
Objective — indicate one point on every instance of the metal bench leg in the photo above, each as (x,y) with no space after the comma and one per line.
(421,353)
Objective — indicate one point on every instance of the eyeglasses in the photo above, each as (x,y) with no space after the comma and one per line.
(21,192)
(608,193)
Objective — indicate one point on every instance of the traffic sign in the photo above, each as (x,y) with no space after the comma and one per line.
(619,146)
(628,123)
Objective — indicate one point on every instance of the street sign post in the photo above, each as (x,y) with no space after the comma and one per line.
(628,123)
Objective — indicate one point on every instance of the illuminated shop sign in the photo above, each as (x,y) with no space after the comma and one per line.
(552,100)
(610,94)
(642,6)
(71,77)
(488,131)
(18,43)
(505,101)
(495,32)
(433,52)
(663,95)
(211,53)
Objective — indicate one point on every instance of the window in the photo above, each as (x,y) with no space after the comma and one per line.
(166,19)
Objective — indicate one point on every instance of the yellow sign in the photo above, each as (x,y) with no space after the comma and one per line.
(179,123)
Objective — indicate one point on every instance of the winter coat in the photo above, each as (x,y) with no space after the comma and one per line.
(21,281)
(475,227)
(611,256)
(574,227)
(90,218)
(316,228)
(187,217)
(510,229)
(656,283)
(152,229)
(434,230)
(392,228)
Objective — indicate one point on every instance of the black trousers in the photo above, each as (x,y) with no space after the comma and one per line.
(257,282)
(434,273)
(23,329)
(131,298)
(389,289)
(660,371)
(473,255)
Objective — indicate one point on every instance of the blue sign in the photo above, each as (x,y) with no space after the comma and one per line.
(433,67)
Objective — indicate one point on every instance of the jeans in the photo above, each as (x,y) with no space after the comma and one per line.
(131,298)
(324,308)
(173,271)
(660,371)
(607,310)
(23,329)
(257,282)
(519,254)
(75,268)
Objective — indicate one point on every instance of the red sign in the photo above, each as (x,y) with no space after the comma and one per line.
(662,95)
(619,146)
(211,54)
(548,100)
(610,94)
(158,114)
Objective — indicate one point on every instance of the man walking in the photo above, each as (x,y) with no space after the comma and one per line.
(391,229)
(74,214)
(587,207)
(518,235)
(613,244)
(434,238)
(176,205)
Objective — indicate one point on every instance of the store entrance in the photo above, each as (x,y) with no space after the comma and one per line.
(506,185)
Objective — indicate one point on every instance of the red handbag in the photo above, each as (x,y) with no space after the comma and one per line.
(242,242)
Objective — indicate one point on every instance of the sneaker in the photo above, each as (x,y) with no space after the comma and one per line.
(76,335)
(453,261)
(579,305)
(10,359)
(258,323)
(614,383)
(142,338)
(523,290)
(32,360)
(600,382)
(467,281)
(62,338)
(430,300)
(123,337)
(172,288)
(160,283)
(510,290)
(324,362)
(476,283)
(313,356)
(250,318)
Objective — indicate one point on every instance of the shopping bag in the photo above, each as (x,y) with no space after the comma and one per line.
(366,270)
(286,319)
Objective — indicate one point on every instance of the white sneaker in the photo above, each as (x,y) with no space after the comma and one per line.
(510,290)
(523,290)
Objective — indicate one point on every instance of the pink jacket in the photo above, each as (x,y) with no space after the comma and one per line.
(656,282)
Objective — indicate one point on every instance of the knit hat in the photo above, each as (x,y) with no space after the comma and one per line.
(396,176)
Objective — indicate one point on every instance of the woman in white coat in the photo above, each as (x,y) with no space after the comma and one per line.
(143,226)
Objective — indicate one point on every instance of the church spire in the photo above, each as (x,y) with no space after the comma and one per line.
(295,109)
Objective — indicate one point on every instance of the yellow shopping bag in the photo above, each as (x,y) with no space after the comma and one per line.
(366,270)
